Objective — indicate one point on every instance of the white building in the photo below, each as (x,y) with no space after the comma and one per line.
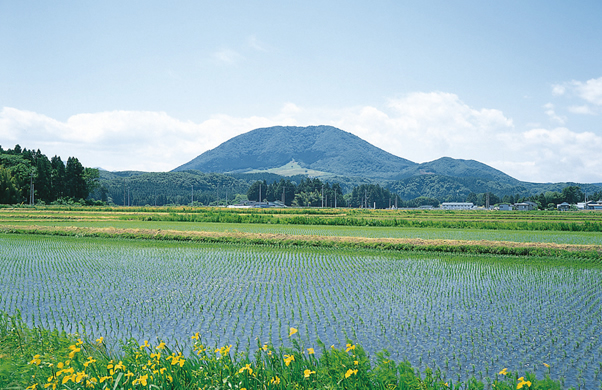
(457,205)
(526,206)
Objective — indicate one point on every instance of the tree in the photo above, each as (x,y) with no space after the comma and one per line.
(43,178)
(58,178)
(572,194)
(91,177)
(74,178)
(9,193)
(255,190)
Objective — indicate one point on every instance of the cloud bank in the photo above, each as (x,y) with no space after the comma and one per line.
(419,126)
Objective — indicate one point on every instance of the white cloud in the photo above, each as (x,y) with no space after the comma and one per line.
(590,91)
(558,90)
(227,56)
(255,43)
(552,114)
(122,140)
(420,127)
(584,109)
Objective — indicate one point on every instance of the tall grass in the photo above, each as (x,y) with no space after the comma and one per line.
(36,358)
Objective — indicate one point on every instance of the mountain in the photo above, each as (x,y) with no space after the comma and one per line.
(447,166)
(313,150)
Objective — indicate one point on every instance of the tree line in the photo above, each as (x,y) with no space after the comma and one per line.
(313,192)
(29,176)
(544,200)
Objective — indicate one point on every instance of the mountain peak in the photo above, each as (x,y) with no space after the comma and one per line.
(325,149)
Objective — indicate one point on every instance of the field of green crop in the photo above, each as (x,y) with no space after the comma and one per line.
(559,237)
(467,315)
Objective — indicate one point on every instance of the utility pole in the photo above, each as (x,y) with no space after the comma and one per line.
(366,199)
(487,201)
(322,195)
(396,196)
(260,192)
(124,192)
(31,191)
(191,195)
(283,196)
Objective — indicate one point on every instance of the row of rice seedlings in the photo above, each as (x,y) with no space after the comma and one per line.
(467,316)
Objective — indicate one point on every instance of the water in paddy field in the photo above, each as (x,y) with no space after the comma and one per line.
(464,315)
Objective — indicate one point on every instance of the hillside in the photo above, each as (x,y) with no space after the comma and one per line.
(447,166)
(314,150)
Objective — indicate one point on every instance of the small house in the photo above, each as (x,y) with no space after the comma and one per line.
(505,207)
(593,205)
(526,206)
(564,206)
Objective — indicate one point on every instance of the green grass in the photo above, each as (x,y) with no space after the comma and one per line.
(36,358)
(559,237)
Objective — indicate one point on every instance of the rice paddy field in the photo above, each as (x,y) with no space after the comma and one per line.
(468,315)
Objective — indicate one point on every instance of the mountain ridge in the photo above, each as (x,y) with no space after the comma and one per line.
(326,151)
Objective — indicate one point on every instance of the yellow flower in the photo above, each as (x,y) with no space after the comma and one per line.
(142,380)
(275,381)
(307,373)
(119,366)
(100,340)
(156,355)
(547,365)
(292,332)
(32,387)
(79,376)
(246,368)
(161,345)
(503,372)
(356,362)
(79,342)
(350,372)
(196,336)
(74,349)
(265,347)
(90,361)
(105,378)
(288,359)
(349,347)
(68,378)
(311,351)
(36,360)
(522,383)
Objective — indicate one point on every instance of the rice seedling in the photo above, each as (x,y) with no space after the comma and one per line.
(463,315)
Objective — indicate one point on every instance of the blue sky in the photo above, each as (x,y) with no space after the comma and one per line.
(149,85)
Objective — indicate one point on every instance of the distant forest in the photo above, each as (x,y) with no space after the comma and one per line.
(52,181)
(55,182)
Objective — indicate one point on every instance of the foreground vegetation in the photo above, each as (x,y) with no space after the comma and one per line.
(36,358)
(467,315)
(468,309)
